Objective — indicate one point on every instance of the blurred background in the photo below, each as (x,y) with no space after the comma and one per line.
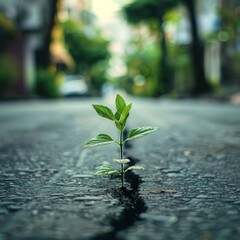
(149,48)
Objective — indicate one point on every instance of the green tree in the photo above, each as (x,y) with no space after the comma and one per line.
(148,11)
(88,51)
(142,68)
(45,85)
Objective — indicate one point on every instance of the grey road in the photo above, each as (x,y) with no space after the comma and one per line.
(189,190)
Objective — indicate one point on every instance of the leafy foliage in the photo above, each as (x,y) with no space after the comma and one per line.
(98,75)
(142,61)
(153,13)
(89,51)
(46,85)
(120,119)
(85,49)
(150,13)
(147,10)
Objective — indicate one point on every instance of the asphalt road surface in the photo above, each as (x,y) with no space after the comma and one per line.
(189,190)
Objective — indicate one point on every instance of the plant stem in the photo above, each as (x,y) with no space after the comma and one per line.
(121,157)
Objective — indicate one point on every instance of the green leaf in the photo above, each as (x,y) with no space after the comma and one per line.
(121,161)
(104,111)
(118,125)
(106,170)
(124,124)
(134,167)
(101,139)
(120,103)
(117,115)
(140,132)
(125,113)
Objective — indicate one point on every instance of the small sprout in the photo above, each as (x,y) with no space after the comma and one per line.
(120,119)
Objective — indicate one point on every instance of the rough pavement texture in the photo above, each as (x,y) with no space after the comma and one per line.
(190,190)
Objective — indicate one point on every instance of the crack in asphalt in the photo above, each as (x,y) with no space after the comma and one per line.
(133,204)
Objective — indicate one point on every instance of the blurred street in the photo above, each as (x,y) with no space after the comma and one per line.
(190,189)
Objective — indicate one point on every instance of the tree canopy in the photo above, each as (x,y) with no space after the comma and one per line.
(90,53)
(147,11)
(86,49)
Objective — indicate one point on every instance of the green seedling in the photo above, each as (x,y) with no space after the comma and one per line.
(120,120)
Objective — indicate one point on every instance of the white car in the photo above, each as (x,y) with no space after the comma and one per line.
(73,85)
